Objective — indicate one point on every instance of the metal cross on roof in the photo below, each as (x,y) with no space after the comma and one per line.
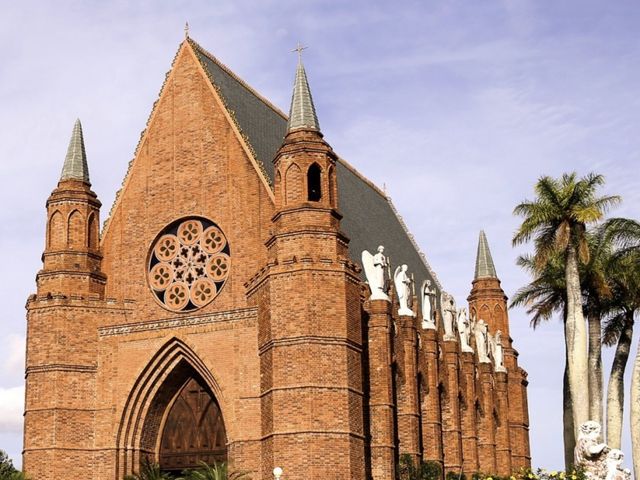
(186,29)
(299,48)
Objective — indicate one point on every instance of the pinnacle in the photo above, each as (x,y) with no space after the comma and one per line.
(302,113)
(75,163)
(484,262)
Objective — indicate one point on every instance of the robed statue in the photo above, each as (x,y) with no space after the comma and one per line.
(402,282)
(428,306)
(448,315)
(375,267)
(464,330)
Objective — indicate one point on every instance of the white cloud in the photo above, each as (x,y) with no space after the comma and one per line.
(11,409)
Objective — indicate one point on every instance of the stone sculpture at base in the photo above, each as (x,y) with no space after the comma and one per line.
(598,460)
(374,269)
(497,351)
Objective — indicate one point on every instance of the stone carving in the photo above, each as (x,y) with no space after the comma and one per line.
(480,333)
(464,330)
(448,315)
(375,267)
(497,352)
(403,289)
(614,466)
(428,294)
(596,458)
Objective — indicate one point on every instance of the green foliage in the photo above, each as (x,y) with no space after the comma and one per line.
(455,476)
(557,218)
(217,471)
(408,470)
(149,471)
(7,470)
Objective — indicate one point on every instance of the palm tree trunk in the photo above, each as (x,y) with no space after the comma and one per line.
(567,422)
(595,368)
(635,414)
(615,391)
(576,342)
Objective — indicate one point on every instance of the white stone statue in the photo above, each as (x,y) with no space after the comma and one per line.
(375,267)
(590,453)
(497,352)
(464,330)
(614,466)
(480,333)
(403,289)
(448,305)
(428,294)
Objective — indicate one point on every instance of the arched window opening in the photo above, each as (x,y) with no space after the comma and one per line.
(314,186)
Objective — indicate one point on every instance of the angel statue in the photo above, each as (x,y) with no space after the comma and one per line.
(464,330)
(374,269)
(428,306)
(480,333)
(448,315)
(497,351)
(403,289)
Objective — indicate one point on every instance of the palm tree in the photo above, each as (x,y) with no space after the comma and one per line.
(556,221)
(149,471)
(217,471)
(635,414)
(545,296)
(625,277)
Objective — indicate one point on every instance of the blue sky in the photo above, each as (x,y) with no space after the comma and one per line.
(457,107)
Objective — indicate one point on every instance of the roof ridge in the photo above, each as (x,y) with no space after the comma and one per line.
(227,70)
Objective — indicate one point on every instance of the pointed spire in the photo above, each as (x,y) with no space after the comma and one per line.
(302,113)
(75,163)
(484,262)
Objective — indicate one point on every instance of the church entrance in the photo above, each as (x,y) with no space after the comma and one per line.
(193,431)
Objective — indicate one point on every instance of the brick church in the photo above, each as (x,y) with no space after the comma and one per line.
(223,313)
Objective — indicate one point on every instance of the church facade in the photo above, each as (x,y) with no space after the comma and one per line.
(227,312)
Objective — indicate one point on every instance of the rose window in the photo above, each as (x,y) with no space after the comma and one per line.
(189,264)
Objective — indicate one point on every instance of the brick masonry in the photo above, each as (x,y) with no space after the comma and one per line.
(308,374)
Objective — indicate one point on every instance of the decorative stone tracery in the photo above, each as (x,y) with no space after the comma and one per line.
(188,264)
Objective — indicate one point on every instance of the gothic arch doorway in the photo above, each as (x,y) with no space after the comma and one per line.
(193,429)
(173,414)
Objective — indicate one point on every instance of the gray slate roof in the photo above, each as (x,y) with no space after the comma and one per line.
(75,163)
(484,262)
(369,217)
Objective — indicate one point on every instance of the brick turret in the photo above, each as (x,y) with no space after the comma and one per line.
(488,302)
(310,331)
(71,259)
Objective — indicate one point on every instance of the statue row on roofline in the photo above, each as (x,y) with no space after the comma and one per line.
(456,323)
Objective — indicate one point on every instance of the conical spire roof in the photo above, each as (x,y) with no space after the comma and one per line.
(484,262)
(75,163)
(302,113)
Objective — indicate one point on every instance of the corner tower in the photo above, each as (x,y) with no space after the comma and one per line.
(488,302)
(61,360)
(308,300)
